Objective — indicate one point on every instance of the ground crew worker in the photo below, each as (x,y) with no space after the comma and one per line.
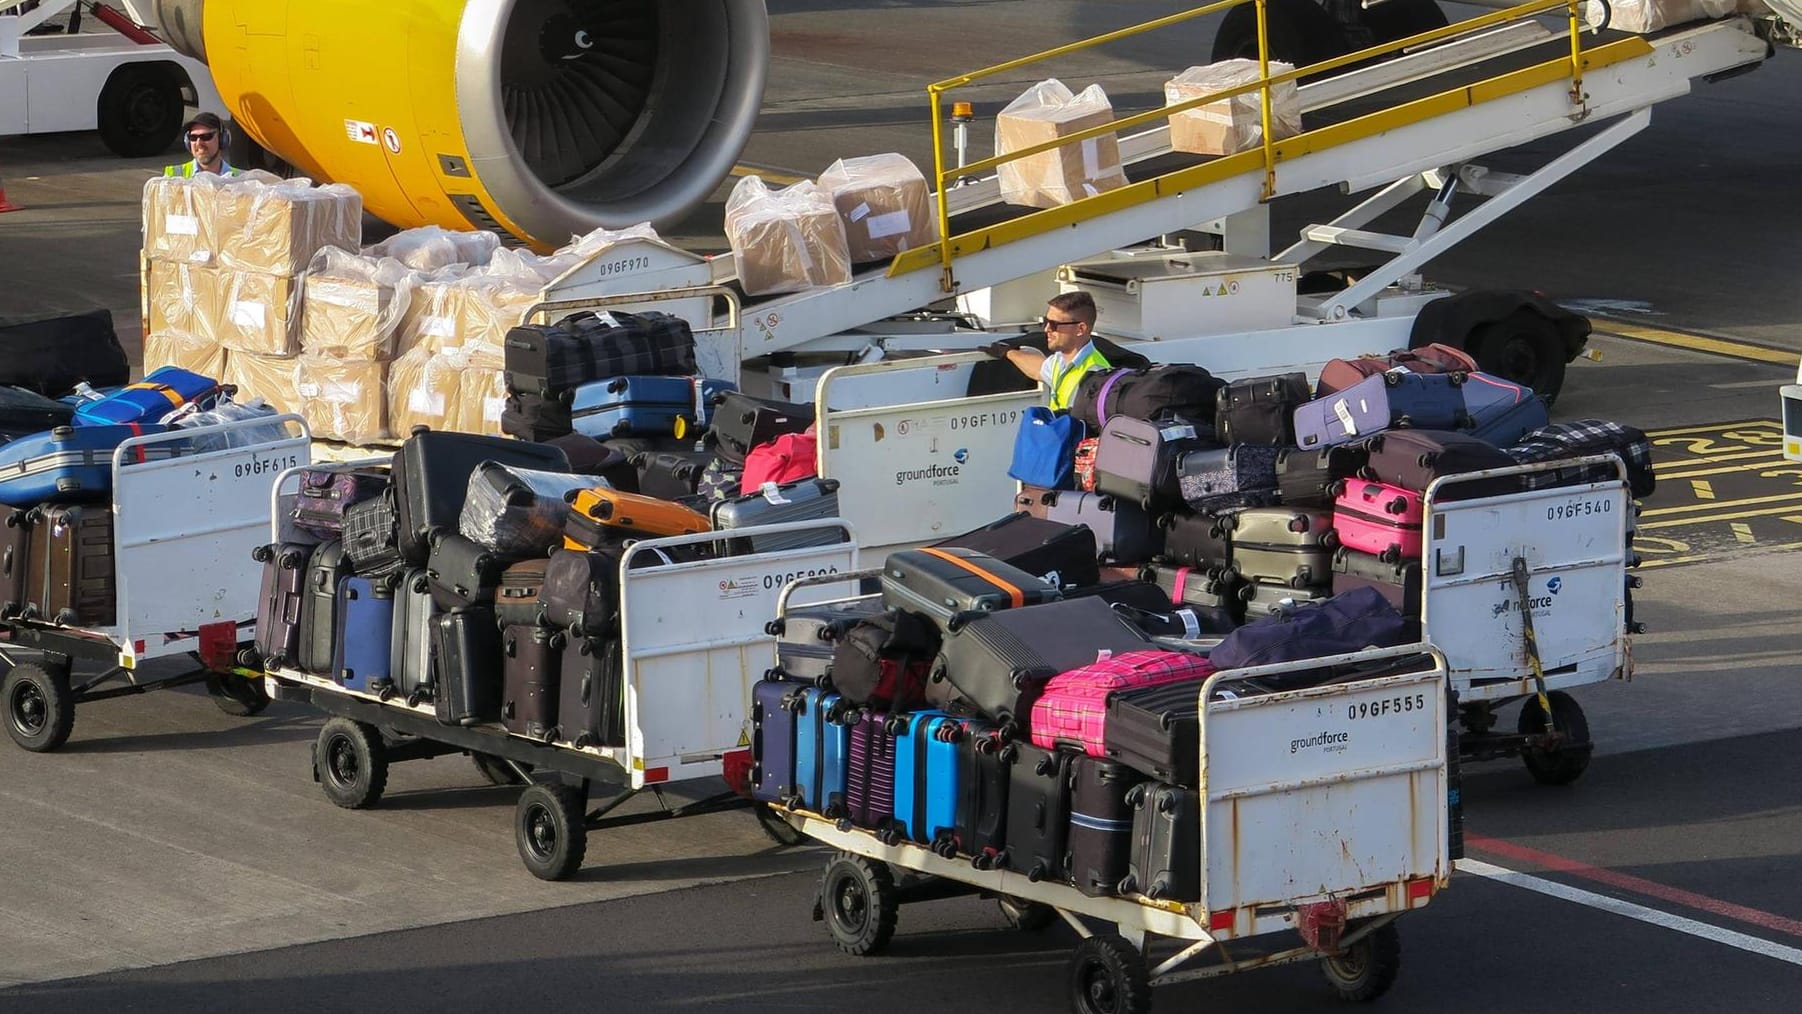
(1069,323)
(205,137)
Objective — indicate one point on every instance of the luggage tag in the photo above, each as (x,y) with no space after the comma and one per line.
(1171,434)
(1345,417)
(772,494)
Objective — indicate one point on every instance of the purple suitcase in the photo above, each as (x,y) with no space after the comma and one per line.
(772,742)
(326,495)
(1137,460)
(870,778)
(1385,401)
(278,607)
(1412,459)
(1243,475)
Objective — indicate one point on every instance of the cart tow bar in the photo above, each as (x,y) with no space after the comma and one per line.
(1553,734)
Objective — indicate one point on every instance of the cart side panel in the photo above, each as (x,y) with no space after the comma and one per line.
(1329,791)
(184,529)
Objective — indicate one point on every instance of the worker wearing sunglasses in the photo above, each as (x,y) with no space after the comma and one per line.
(205,138)
(1068,323)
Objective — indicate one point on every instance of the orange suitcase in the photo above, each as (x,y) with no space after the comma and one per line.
(606,515)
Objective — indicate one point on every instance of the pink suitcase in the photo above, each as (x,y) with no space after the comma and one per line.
(1377,518)
(1072,709)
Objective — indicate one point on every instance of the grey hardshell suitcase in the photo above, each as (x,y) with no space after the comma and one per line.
(411,662)
(1124,532)
(941,583)
(806,635)
(1166,854)
(1284,545)
(806,500)
(1262,599)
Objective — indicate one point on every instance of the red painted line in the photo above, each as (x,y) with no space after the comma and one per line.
(1638,885)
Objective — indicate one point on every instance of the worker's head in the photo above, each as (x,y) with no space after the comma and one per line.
(1069,321)
(204,137)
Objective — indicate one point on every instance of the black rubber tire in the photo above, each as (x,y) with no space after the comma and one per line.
(1567,763)
(859,904)
(1365,970)
(351,763)
(775,828)
(140,109)
(238,695)
(550,826)
(496,771)
(1523,347)
(40,707)
(1108,976)
(1026,916)
(1300,31)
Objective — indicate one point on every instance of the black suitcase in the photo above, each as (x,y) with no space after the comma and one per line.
(982,780)
(1412,459)
(1311,478)
(741,422)
(24,412)
(15,549)
(530,665)
(319,607)
(466,664)
(1101,825)
(588,456)
(941,583)
(1038,812)
(531,416)
(1156,730)
(1166,854)
(591,697)
(50,355)
(552,359)
(1203,541)
(1202,589)
(279,603)
(670,475)
(519,595)
(372,539)
(994,663)
(1060,554)
(581,590)
(1400,582)
(431,479)
(461,572)
(1260,410)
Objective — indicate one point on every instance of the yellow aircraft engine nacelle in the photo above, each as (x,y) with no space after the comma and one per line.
(540,118)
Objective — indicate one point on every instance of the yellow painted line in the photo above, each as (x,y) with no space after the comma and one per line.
(1713,518)
(1696,557)
(1742,532)
(1697,343)
(775,176)
(1657,512)
(1711,427)
(1702,489)
(1758,459)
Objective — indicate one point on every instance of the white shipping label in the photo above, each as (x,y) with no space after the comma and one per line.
(606,317)
(307,390)
(1341,410)
(895,223)
(342,391)
(858,213)
(1191,624)
(438,327)
(1089,188)
(1091,159)
(1169,433)
(425,401)
(247,313)
(492,409)
(345,296)
(181,225)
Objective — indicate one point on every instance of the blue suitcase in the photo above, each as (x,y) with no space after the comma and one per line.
(1501,411)
(926,771)
(363,654)
(772,742)
(1432,401)
(162,391)
(71,463)
(822,746)
(641,406)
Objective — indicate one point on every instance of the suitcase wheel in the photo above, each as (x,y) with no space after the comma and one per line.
(773,628)
(1399,505)
(1391,554)
(261,554)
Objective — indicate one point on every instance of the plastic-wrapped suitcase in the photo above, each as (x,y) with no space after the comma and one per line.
(806,500)
(1413,458)
(551,359)
(591,697)
(410,657)
(1138,460)
(1204,541)
(70,463)
(599,516)
(870,772)
(162,391)
(822,744)
(620,406)
(1380,519)
(1101,824)
(431,479)
(365,625)
(1399,581)
(519,595)
(466,662)
(1038,812)
(1124,533)
(1157,730)
(1284,545)
(325,496)
(1263,599)
(1260,410)
(925,809)
(319,608)
(461,572)
(1311,478)
(530,664)
(982,780)
(1058,553)
(278,604)
(1243,475)
(940,583)
(518,511)
(994,663)
(670,475)
(1166,853)
(372,538)
(741,422)
(1386,401)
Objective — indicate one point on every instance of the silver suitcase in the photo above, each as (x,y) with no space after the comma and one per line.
(410,658)
(806,500)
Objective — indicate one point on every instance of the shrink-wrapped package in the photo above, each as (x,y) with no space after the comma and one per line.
(278,227)
(178,218)
(353,306)
(518,512)
(1657,15)
(433,248)
(457,307)
(260,313)
(884,205)
(189,351)
(183,299)
(1235,124)
(785,240)
(481,397)
(423,390)
(270,378)
(343,399)
(1046,112)
(493,304)
(590,243)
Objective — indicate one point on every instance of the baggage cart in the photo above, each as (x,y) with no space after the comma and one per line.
(1322,811)
(182,528)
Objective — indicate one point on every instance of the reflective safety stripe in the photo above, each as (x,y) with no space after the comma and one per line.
(1064,381)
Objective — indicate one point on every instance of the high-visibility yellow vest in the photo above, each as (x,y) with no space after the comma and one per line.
(1064,380)
(191,167)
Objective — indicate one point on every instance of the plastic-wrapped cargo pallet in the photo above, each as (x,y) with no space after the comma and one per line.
(884,205)
(1046,112)
(1235,124)
(785,240)
(1657,15)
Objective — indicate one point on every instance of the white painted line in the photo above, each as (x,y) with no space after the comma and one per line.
(1614,906)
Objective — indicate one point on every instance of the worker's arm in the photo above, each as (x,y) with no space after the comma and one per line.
(1027,361)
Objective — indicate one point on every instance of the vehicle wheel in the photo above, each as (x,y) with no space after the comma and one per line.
(350,763)
(140,110)
(1026,916)
(779,831)
(1525,348)
(1300,32)
(1565,764)
(859,903)
(497,771)
(1366,969)
(1108,976)
(550,826)
(40,707)
(238,695)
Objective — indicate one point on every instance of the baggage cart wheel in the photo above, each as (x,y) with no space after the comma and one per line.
(350,763)
(859,904)
(40,708)
(550,827)
(779,831)
(1565,763)
(1025,916)
(495,770)
(1108,976)
(238,695)
(1366,969)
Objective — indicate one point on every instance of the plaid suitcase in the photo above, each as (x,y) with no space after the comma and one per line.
(372,538)
(1072,709)
(1584,437)
(551,359)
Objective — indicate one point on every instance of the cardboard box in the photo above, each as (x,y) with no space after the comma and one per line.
(787,240)
(178,219)
(188,351)
(343,399)
(884,204)
(350,317)
(449,313)
(276,228)
(480,399)
(1046,112)
(1234,124)
(183,299)
(260,313)
(423,390)
(270,378)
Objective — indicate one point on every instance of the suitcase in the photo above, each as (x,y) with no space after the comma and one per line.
(1058,554)
(588,456)
(372,538)
(883,661)
(741,422)
(1488,402)
(822,746)
(626,405)
(720,481)
(466,659)
(1157,731)
(1243,475)
(805,637)
(581,591)
(1339,374)
(601,516)
(1263,599)
(806,500)
(462,573)
(1284,545)
(1101,825)
(1199,589)
(1260,410)
(1385,521)
(24,412)
(591,696)
(1506,426)
(518,512)
(326,495)
(50,355)
(869,772)
(1412,459)
(1584,437)
(982,780)
(531,661)
(670,475)
(71,463)
(519,595)
(410,658)
(365,628)
(1082,467)
(552,359)
(1386,401)
(326,570)
(994,664)
(773,726)
(1311,478)
(1124,533)
(162,391)
(1398,581)
(278,603)
(1038,812)
(1166,850)
(1185,623)
(1138,460)
(1167,389)
(1201,541)
(431,480)
(941,583)
(1072,709)
(534,417)
(925,809)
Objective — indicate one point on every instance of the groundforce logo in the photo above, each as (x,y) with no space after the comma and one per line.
(1538,605)
(940,475)
(1330,742)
